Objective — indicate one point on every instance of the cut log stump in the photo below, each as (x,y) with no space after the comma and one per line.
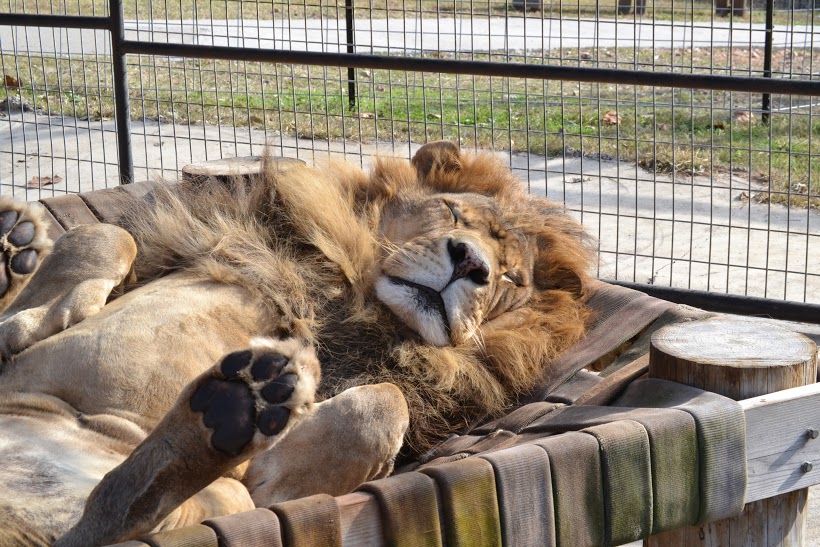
(739,359)
(229,169)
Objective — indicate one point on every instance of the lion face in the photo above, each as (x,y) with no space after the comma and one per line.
(451,262)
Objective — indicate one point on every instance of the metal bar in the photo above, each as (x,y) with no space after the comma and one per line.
(351,49)
(730,303)
(55,21)
(482,68)
(122,106)
(766,105)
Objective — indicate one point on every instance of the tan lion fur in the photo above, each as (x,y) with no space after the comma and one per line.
(306,244)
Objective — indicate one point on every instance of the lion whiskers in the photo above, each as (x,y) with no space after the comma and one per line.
(477,336)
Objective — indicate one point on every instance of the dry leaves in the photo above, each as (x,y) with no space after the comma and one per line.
(12,82)
(611,118)
(39,182)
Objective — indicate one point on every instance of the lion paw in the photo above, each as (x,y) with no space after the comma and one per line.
(254,395)
(23,243)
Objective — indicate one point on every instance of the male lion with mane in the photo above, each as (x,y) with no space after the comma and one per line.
(432,292)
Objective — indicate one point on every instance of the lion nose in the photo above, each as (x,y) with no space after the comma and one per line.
(467,263)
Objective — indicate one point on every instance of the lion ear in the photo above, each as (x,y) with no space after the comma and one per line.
(438,155)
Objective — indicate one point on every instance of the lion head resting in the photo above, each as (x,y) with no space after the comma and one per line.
(442,276)
(466,247)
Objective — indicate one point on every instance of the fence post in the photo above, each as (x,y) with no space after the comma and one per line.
(122,107)
(351,48)
(766,105)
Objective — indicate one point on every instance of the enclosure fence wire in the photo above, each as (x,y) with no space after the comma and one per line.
(686,187)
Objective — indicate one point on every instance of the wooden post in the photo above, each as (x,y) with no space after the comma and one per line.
(739,359)
(721,8)
(624,7)
(738,8)
(231,168)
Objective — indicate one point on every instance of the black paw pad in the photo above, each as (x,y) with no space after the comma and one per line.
(273,420)
(229,410)
(24,262)
(268,366)
(7,220)
(280,390)
(234,362)
(22,234)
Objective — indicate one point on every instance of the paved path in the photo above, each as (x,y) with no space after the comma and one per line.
(407,36)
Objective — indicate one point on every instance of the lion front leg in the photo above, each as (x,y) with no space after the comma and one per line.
(70,284)
(240,407)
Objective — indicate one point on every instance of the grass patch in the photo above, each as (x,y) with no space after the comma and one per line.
(681,131)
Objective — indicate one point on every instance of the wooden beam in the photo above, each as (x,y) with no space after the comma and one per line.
(777,444)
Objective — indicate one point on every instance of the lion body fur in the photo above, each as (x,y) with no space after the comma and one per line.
(295,255)
(305,244)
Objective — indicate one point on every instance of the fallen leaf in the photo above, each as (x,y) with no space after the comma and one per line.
(39,182)
(611,118)
(743,197)
(799,187)
(585,56)
(11,81)
(367,115)
(664,126)
(761,198)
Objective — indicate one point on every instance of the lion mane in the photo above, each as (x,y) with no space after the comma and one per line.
(305,243)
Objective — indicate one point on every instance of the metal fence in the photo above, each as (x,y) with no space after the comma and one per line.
(683,134)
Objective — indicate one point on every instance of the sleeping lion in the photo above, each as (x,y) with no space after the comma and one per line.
(240,345)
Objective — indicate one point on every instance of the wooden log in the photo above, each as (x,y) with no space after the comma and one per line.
(229,169)
(740,359)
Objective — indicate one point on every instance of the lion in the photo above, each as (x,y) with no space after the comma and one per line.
(244,344)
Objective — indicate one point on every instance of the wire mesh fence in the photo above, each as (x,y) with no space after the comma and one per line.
(695,187)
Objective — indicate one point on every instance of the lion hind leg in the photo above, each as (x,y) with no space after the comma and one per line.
(71,284)
(23,245)
(240,407)
(352,438)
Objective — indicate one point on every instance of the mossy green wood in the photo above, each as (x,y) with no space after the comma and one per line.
(467,494)
(575,466)
(627,480)
(525,498)
(409,509)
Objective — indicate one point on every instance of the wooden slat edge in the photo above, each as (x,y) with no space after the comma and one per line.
(361,520)
(778,442)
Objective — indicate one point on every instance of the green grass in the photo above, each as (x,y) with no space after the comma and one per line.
(697,10)
(681,131)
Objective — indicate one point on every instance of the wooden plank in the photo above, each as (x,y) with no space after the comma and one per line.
(778,443)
